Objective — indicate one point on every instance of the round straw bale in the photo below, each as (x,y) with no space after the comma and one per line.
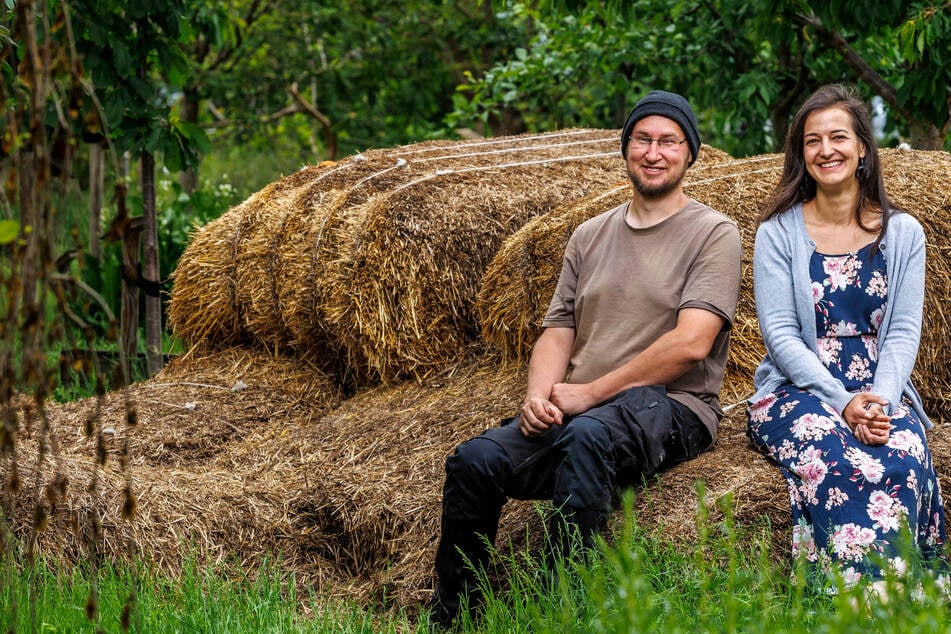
(401,295)
(203,305)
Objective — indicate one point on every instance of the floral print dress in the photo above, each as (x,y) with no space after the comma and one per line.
(849,500)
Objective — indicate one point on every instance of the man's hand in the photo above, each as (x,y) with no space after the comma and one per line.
(866,417)
(572,398)
(538,414)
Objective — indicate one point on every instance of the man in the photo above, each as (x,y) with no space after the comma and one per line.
(623,381)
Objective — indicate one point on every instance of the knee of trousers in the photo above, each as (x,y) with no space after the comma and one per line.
(586,475)
(585,438)
(475,477)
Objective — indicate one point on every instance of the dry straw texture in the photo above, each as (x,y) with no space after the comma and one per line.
(241,454)
(371,266)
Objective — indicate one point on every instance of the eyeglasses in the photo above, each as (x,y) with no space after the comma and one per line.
(664,144)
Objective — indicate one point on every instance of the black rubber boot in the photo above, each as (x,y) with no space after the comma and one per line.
(463,549)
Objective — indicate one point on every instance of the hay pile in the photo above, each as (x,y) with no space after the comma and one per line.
(241,454)
(195,461)
(371,265)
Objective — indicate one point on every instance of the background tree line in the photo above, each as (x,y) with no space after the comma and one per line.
(126,122)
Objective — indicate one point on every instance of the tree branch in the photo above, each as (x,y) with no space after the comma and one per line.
(330,137)
(868,74)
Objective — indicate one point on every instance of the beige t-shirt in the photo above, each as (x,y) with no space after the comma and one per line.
(621,288)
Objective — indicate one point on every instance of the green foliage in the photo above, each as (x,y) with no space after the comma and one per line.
(134,54)
(183,213)
(745,67)
(9,230)
(221,600)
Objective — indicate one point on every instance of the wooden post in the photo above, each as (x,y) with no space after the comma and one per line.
(129,317)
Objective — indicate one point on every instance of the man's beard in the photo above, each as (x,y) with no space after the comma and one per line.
(655,191)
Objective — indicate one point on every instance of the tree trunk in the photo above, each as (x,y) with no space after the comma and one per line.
(150,276)
(188,178)
(129,318)
(96,183)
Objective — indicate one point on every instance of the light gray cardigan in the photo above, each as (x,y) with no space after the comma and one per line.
(787,315)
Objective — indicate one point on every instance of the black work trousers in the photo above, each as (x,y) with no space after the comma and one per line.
(577,465)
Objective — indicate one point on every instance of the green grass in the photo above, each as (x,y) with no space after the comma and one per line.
(726,583)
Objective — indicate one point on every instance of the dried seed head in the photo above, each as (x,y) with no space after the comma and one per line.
(40,518)
(128,504)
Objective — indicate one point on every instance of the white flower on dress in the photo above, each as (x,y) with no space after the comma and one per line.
(869,467)
(785,408)
(837,497)
(828,350)
(876,317)
(759,411)
(812,426)
(842,271)
(858,369)
(898,566)
(817,292)
(843,329)
(851,541)
(912,481)
(786,450)
(877,285)
(871,346)
(908,442)
(885,511)
(811,470)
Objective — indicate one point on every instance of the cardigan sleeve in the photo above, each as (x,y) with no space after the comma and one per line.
(901,327)
(780,311)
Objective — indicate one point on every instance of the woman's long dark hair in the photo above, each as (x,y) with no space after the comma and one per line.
(797,186)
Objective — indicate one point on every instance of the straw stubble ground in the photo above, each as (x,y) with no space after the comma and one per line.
(241,453)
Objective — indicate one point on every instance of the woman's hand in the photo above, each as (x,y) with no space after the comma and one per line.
(866,417)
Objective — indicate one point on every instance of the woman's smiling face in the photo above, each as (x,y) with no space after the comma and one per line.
(831,148)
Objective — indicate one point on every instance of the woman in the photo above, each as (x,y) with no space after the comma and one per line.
(838,278)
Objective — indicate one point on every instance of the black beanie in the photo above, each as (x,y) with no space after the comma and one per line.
(665,104)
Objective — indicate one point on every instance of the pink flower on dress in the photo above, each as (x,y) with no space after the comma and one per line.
(843,329)
(876,317)
(886,511)
(786,450)
(812,427)
(812,471)
(871,346)
(828,349)
(878,285)
(851,541)
(908,442)
(858,369)
(785,408)
(817,292)
(759,411)
(870,468)
(837,497)
(851,577)
(841,271)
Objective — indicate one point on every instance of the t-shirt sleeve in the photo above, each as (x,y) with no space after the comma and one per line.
(561,309)
(713,282)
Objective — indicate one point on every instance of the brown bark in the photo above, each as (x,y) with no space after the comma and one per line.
(96,183)
(129,317)
(151,277)
(188,107)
